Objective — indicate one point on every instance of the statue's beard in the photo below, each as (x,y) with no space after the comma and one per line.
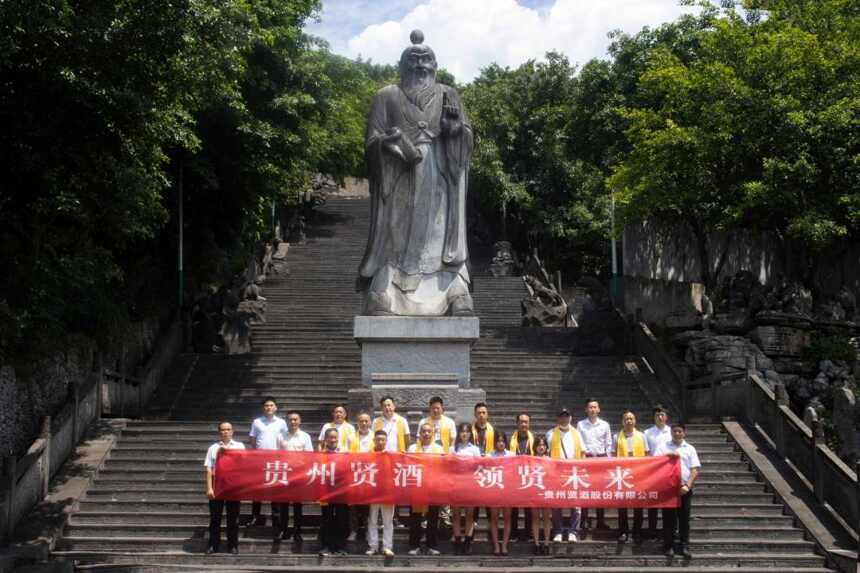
(418,86)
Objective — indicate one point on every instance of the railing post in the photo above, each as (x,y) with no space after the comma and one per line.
(817,469)
(10,466)
(751,392)
(99,389)
(122,397)
(779,423)
(45,462)
(76,402)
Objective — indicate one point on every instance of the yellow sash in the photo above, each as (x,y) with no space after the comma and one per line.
(444,432)
(555,443)
(489,438)
(638,444)
(530,442)
(434,449)
(401,431)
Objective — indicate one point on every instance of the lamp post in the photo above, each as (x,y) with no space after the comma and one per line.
(614,284)
(181,236)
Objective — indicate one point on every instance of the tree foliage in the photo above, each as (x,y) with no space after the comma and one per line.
(757,127)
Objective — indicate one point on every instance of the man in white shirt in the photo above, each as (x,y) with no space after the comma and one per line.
(334,518)
(657,435)
(424,445)
(565,443)
(630,442)
(393,424)
(597,443)
(345,430)
(444,429)
(216,506)
(689,473)
(293,440)
(360,442)
(265,433)
(387,511)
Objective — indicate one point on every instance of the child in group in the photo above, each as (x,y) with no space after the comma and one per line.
(463,446)
(500,450)
(541,515)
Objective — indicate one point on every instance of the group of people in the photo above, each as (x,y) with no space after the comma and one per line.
(438,434)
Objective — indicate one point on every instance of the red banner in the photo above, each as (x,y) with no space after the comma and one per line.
(409,479)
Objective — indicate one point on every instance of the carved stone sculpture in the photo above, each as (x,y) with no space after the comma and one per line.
(543,306)
(504,264)
(418,147)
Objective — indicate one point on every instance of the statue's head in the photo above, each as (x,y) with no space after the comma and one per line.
(417,64)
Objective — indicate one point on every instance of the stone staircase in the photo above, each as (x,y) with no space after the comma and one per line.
(147,507)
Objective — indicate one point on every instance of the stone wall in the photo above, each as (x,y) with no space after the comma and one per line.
(28,394)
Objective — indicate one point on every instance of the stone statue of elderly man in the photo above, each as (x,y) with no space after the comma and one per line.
(418,146)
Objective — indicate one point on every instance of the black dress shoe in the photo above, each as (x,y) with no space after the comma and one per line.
(211,550)
(685,552)
(297,537)
(234,550)
(245,521)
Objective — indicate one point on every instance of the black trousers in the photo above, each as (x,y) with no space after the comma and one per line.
(360,514)
(432,527)
(334,526)
(284,513)
(623,526)
(527,528)
(600,511)
(216,510)
(652,518)
(679,517)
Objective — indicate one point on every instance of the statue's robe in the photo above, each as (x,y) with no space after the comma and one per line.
(415,262)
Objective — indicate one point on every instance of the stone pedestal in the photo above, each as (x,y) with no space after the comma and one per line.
(413,359)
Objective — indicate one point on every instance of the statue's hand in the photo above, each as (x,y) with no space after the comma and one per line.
(392,134)
(395,150)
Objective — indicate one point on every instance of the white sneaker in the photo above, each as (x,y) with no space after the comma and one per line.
(370,552)
(351,536)
(431,551)
(415,551)
(557,538)
(388,552)
(572,537)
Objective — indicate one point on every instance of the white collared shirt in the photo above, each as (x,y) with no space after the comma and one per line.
(344,431)
(468,450)
(365,442)
(391,427)
(212,452)
(437,428)
(266,432)
(689,457)
(657,437)
(298,442)
(568,452)
(596,437)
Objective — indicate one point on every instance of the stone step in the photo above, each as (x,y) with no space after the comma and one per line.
(200,516)
(730,562)
(587,548)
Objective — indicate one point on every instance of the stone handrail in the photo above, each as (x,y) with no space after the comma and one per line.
(646,345)
(124,395)
(832,481)
(25,479)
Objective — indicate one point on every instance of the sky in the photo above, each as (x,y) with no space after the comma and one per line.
(467,35)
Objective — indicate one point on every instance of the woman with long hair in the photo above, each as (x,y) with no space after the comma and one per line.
(463,446)
(500,450)
(541,515)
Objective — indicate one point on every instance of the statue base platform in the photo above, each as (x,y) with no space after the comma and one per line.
(413,359)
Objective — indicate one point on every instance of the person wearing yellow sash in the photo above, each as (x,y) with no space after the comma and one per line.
(360,442)
(565,443)
(393,424)
(345,430)
(424,445)
(630,442)
(483,434)
(444,429)
(522,444)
